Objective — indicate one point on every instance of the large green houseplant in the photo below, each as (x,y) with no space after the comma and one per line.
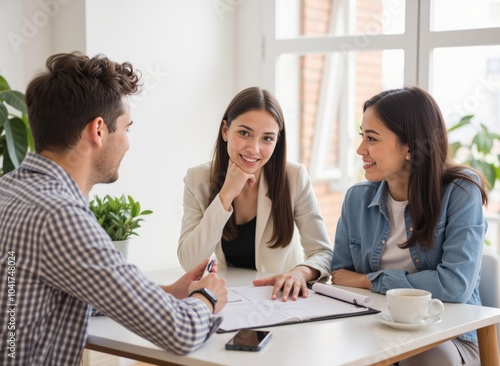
(120,217)
(477,153)
(15,135)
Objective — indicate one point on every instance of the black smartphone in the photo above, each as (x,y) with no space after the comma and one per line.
(249,340)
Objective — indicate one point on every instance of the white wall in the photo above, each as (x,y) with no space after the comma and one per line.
(25,41)
(188,52)
(248,42)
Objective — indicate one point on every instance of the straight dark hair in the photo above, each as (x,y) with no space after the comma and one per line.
(415,117)
(73,91)
(250,99)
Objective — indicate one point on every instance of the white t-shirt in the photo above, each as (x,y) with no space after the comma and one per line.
(394,257)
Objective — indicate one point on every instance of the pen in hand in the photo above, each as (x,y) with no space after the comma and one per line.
(208,268)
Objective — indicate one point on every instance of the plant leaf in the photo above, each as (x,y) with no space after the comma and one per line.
(483,140)
(31,142)
(4,114)
(15,99)
(465,120)
(16,139)
(453,148)
(489,170)
(118,215)
(4,85)
(135,209)
(7,165)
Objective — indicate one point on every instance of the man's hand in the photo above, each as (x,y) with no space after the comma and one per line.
(216,285)
(180,288)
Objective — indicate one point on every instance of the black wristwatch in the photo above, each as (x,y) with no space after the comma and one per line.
(208,294)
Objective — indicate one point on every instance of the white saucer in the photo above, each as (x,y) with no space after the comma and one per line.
(387,320)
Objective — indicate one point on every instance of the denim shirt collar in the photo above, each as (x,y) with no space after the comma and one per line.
(380,198)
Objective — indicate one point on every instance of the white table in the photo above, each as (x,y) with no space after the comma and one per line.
(360,340)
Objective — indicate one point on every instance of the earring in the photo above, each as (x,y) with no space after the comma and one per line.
(225,139)
(407,156)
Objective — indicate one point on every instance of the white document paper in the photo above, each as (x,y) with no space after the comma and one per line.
(251,307)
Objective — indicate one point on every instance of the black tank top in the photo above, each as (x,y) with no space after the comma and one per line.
(240,252)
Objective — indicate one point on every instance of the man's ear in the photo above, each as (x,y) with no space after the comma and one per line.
(96,130)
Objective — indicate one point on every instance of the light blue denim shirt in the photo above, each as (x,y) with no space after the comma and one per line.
(449,270)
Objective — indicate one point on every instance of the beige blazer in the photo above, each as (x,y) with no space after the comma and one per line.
(203,223)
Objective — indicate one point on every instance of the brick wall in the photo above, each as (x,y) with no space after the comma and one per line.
(316,21)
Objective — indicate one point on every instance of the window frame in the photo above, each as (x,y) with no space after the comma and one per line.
(417,43)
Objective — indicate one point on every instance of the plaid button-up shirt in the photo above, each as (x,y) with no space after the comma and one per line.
(56,263)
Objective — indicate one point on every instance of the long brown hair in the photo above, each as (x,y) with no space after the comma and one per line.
(249,99)
(415,117)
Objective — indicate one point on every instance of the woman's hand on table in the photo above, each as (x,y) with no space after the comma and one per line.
(344,277)
(291,284)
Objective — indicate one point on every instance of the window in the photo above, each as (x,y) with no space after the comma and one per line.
(324,58)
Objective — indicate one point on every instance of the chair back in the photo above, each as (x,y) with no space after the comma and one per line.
(489,284)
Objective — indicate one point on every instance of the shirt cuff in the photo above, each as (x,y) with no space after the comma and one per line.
(215,324)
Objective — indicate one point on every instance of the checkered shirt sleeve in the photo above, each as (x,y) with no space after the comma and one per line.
(65,264)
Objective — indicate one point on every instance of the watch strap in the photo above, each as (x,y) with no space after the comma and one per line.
(209,295)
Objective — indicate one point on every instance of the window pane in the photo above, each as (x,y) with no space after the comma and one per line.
(464,14)
(339,17)
(466,80)
(473,89)
(322,96)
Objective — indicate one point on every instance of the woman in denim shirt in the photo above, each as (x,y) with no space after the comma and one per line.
(418,221)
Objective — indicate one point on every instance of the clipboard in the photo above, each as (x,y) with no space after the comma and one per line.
(251,307)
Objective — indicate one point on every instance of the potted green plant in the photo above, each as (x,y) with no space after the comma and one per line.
(120,217)
(15,133)
(477,154)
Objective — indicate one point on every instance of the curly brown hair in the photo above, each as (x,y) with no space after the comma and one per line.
(73,91)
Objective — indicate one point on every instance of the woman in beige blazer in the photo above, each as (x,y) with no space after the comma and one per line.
(251,207)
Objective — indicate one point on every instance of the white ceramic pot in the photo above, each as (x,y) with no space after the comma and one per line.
(122,247)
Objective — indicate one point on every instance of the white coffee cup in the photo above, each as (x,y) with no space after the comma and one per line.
(410,305)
